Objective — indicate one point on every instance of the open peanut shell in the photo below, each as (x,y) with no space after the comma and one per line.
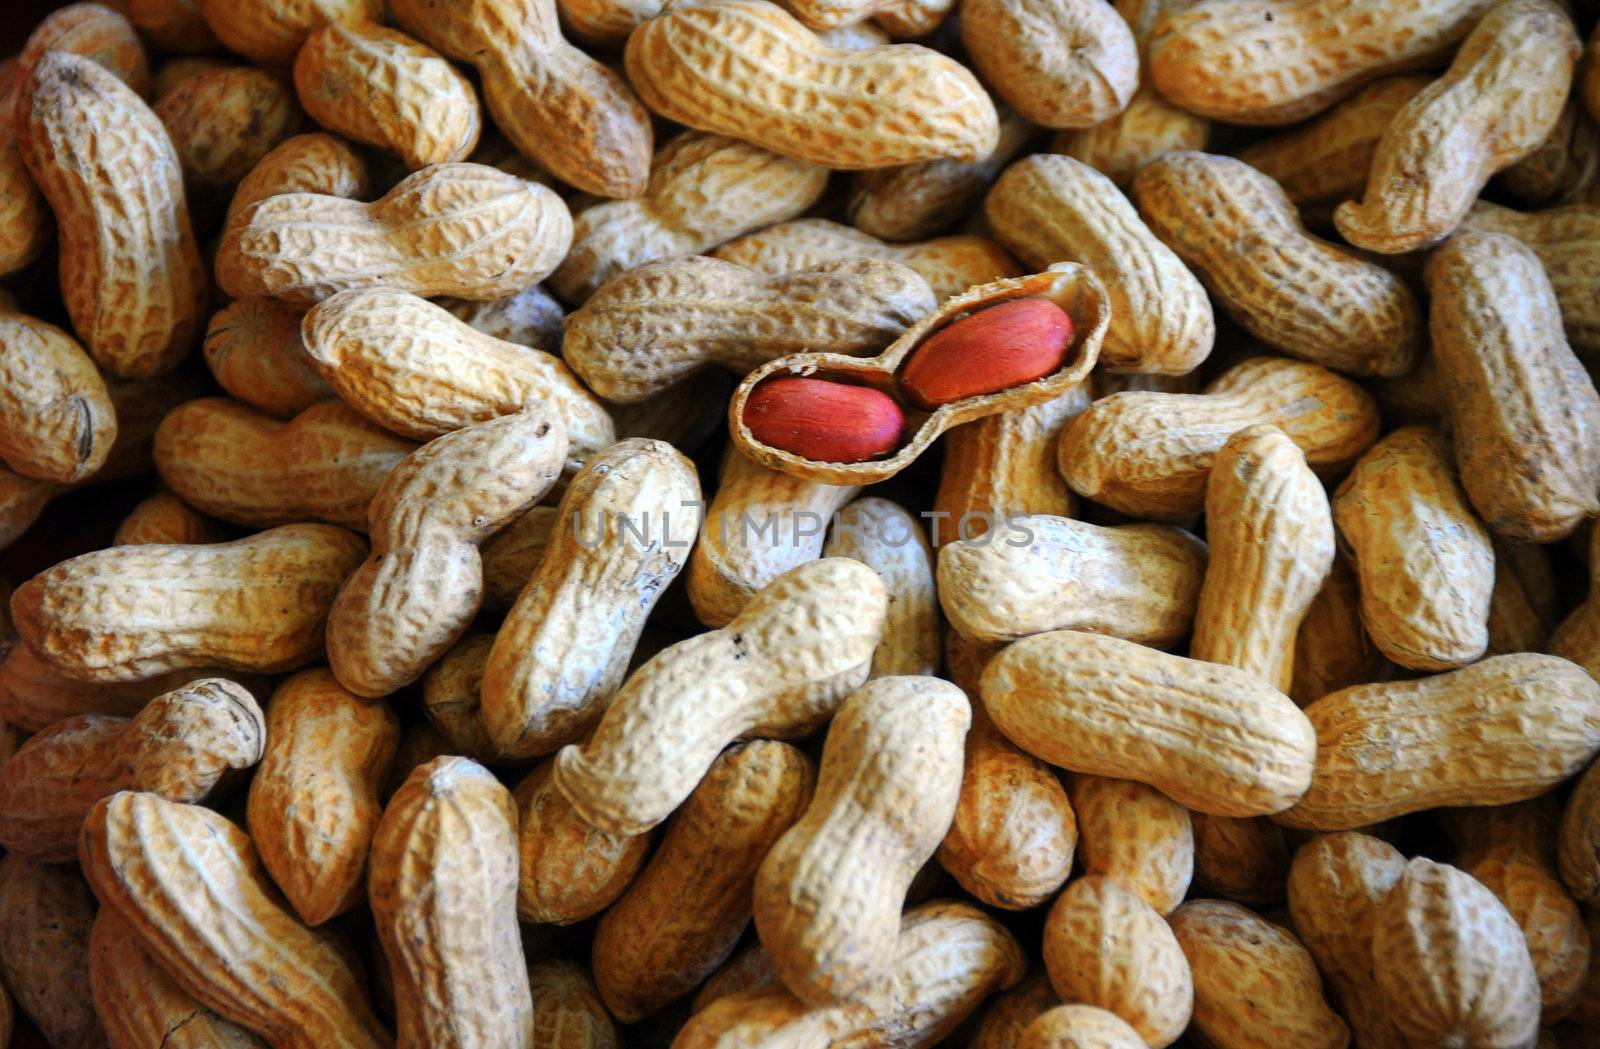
(1072,287)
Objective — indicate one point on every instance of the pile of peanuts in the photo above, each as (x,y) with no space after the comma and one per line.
(708,524)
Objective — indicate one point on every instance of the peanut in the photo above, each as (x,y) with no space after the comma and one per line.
(271,31)
(734,558)
(451,693)
(130,268)
(182,745)
(567,1012)
(1333,650)
(606,24)
(513,554)
(310,163)
(1137,835)
(1579,841)
(1426,564)
(1522,607)
(411,367)
(1005,1019)
(702,874)
(563,649)
(1059,63)
(1049,209)
(1501,95)
(888,540)
(665,320)
(314,801)
(450,229)
(57,422)
(1562,166)
(988,351)
(222,124)
(172,25)
(528,318)
(132,612)
(1254,983)
(950,265)
(1453,966)
(570,869)
(1294,291)
(1336,886)
(1064,697)
(567,112)
(1558,943)
(447,847)
(25,226)
(165,518)
(703,190)
(1279,61)
(417,592)
(1518,398)
(94,31)
(823,421)
(901,18)
(254,350)
(809,101)
(1505,729)
(1079,1027)
(1149,454)
(34,696)
(779,668)
(45,917)
(1567,242)
(244,466)
(1242,859)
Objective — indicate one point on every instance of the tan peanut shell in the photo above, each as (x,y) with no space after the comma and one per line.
(176,70)
(1579,841)
(1041,573)
(1336,884)
(271,31)
(529,317)
(1003,466)
(1567,242)
(1049,209)
(827,906)
(1333,649)
(1059,63)
(1279,61)
(703,190)
(760,524)
(1523,609)
(949,957)
(314,800)
(567,1011)
(950,264)
(570,114)
(413,368)
(132,612)
(1244,859)
(513,554)
(747,970)
(1105,946)
(172,25)
(658,324)
(1216,739)
(897,18)
(1520,404)
(311,163)
(446,848)
(130,269)
(1073,288)
(922,200)
(1136,834)
(701,876)
(1326,160)
(570,869)
(1255,986)
(34,695)
(1426,564)
(1009,1014)
(417,592)
(96,31)
(182,745)
(1501,95)
(1301,294)
(921,105)
(779,668)
(241,465)
(1148,454)
(222,123)
(451,698)
(380,87)
(190,885)
(1079,1027)
(140,1005)
(622,533)
(165,518)
(25,221)
(254,351)
(1271,545)
(889,540)
(45,918)
(452,229)
(1550,922)
(57,422)
(1563,166)
(1504,729)
(1452,965)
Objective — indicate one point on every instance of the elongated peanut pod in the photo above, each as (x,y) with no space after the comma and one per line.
(571,869)
(567,1011)
(314,800)
(270,33)
(828,912)
(921,105)
(1214,738)
(1550,922)
(445,849)
(1567,241)
(887,539)
(1501,95)
(1577,638)
(622,533)
(310,163)
(46,913)
(1002,466)
(1043,573)
(1333,649)
(132,612)
(780,668)
(166,518)
(1271,536)
(416,594)
(191,886)
(1060,63)
(57,422)
(254,351)
(1136,834)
